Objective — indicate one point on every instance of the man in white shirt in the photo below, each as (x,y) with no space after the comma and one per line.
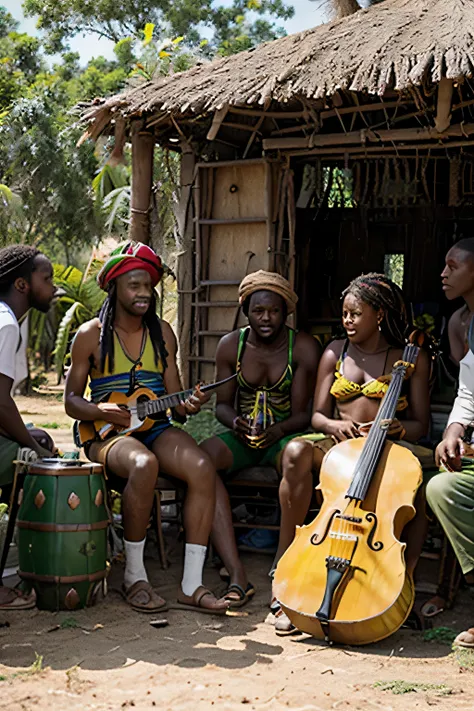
(26,281)
(451,493)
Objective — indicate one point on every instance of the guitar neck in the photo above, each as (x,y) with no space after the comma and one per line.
(153,407)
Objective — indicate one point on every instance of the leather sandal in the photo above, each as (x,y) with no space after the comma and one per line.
(142,598)
(243,598)
(283,625)
(194,602)
(14,599)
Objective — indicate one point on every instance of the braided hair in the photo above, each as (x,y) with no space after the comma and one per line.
(16,261)
(107,318)
(380,292)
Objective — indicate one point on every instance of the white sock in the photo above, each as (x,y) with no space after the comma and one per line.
(134,568)
(194,557)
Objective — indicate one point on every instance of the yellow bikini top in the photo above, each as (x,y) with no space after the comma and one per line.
(343,389)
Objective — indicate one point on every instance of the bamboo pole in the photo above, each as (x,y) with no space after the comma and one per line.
(143,144)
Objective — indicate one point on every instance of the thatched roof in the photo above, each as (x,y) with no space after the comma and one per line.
(395,44)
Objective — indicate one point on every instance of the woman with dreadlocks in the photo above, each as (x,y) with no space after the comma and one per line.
(354,375)
(128,346)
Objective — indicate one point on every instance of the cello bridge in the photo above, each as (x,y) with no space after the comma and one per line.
(343,536)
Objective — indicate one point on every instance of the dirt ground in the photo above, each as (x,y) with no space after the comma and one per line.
(109,657)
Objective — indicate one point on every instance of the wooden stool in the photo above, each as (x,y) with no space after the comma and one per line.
(167,492)
(259,486)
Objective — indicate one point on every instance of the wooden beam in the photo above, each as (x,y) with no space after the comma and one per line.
(184,264)
(252,138)
(367,136)
(363,108)
(219,116)
(143,144)
(443,107)
(270,114)
(341,151)
(240,126)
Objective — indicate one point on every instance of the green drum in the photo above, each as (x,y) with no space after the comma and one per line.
(62,533)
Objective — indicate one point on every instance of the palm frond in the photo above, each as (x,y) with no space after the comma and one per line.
(62,338)
(109,178)
(113,202)
(91,296)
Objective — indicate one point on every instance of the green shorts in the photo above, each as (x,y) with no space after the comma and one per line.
(245,456)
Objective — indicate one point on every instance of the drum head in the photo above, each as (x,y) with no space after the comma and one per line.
(55,466)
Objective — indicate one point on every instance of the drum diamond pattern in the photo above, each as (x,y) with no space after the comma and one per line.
(73,501)
(40,498)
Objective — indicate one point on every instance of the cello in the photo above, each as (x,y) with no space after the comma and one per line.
(344,578)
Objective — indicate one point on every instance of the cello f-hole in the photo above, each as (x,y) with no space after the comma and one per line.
(314,538)
(378,545)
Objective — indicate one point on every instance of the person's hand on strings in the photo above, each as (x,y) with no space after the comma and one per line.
(450,450)
(114,414)
(194,402)
(342,430)
(395,429)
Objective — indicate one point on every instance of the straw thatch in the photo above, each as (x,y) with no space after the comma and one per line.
(395,44)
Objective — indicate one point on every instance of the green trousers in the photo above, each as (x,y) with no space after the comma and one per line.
(451,497)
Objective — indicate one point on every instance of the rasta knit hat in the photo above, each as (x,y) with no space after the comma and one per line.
(129,256)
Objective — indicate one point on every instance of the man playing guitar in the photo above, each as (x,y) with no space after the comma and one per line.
(128,346)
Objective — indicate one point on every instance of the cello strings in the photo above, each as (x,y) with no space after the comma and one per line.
(362,479)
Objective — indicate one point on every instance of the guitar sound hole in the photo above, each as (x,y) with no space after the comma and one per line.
(141,401)
(143,398)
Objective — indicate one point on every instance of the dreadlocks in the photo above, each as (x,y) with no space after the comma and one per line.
(107,318)
(16,261)
(380,292)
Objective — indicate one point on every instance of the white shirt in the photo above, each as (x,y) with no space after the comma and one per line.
(463,408)
(9,341)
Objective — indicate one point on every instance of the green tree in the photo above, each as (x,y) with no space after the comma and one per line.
(40,164)
(113,20)
(20,60)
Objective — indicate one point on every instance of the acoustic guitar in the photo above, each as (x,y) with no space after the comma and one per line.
(143,405)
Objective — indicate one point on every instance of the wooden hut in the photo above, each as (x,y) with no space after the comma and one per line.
(345,148)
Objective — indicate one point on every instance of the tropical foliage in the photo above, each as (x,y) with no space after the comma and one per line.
(68,199)
(80,301)
(215,28)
